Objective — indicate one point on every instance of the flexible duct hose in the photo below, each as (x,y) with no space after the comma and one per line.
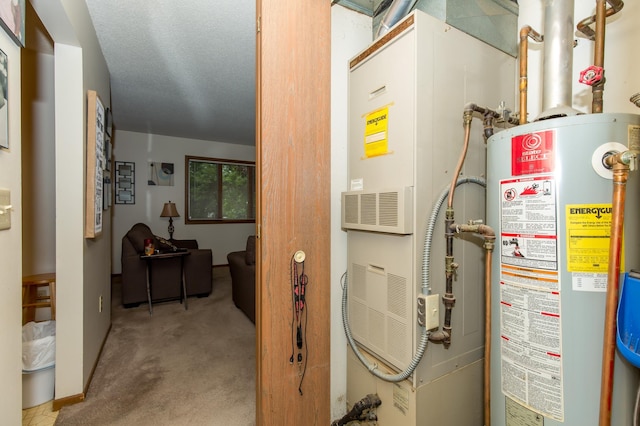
(426,261)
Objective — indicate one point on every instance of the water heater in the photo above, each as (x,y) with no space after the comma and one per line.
(549,198)
(407,92)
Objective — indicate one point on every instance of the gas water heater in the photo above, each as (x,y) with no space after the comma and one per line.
(549,198)
(407,92)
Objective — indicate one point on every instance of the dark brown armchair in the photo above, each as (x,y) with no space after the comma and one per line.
(165,273)
(242,266)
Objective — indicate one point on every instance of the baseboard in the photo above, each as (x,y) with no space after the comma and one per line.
(68,400)
(74,399)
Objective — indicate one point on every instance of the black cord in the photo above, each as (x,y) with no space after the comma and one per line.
(293,308)
(299,318)
(306,355)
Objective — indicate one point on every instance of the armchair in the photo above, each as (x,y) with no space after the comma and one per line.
(242,266)
(165,273)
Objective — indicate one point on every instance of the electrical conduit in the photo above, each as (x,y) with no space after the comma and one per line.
(425,288)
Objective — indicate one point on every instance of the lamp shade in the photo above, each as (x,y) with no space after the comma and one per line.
(169,210)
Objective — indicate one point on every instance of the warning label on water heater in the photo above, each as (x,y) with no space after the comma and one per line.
(530,317)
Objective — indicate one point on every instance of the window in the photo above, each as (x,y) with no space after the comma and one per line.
(219,191)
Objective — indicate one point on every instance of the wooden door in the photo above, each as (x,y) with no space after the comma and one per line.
(293,208)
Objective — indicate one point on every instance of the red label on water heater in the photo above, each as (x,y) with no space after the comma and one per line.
(532,153)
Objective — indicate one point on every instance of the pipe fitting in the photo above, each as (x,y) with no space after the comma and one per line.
(626,158)
(448,299)
(439,336)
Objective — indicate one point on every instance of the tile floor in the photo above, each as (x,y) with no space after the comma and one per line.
(40,415)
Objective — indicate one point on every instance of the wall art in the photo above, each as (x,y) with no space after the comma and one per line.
(4,100)
(95,165)
(160,174)
(125,182)
(12,14)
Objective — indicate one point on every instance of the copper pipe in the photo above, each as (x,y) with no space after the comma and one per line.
(620,175)
(467,117)
(487,338)
(600,19)
(585,29)
(525,33)
(489,243)
(598,57)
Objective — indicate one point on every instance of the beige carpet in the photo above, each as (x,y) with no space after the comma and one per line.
(177,367)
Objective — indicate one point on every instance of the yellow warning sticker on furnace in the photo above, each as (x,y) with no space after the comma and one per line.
(588,232)
(375,133)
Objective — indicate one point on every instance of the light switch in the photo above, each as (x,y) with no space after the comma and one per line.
(5,209)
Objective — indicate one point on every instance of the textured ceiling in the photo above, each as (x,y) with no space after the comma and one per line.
(183,68)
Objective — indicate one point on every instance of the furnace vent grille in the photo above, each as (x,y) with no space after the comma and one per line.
(389,211)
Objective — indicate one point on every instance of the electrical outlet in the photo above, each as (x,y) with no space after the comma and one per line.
(100,303)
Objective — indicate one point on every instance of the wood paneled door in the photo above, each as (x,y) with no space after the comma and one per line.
(293,211)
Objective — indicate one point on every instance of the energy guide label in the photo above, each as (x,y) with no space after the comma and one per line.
(530,315)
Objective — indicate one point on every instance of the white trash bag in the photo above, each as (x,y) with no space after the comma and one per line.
(38,345)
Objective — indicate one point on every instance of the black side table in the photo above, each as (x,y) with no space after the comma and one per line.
(168,255)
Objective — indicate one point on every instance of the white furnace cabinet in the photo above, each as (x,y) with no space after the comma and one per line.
(407,93)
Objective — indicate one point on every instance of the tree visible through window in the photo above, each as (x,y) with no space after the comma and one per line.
(219,190)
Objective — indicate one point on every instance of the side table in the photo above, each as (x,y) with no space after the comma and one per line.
(183,281)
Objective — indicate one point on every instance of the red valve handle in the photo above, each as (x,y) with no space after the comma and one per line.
(591,75)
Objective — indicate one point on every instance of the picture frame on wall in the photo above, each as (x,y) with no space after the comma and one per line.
(4,100)
(95,165)
(12,14)
(125,182)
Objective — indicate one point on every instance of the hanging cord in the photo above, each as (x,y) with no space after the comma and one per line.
(426,289)
(299,316)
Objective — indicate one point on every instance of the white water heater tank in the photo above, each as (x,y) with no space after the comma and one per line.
(549,199)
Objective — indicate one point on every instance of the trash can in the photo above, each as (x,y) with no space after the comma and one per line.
(38,362)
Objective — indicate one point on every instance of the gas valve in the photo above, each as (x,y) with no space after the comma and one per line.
(591,75)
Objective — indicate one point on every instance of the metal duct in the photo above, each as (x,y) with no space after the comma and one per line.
(398,10)
(558,54)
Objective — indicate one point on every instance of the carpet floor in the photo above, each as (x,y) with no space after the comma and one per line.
(175,367)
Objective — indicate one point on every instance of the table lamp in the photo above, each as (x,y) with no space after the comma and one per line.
(169,210)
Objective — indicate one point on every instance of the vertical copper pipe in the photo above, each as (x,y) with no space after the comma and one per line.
(489,242)
(487,338)
(598,56)
(525,33)
(620,174)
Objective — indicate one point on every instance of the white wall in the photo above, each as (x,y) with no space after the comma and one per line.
(38,175)
(350,33)
(11,250)
(142,149)
(621,61)
(38,145)
(82,265)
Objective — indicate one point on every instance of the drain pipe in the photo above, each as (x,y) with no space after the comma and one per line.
(489,243)
(398,10)
(525,33)
(622,163)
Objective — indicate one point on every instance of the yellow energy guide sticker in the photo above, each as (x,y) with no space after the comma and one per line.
(375,133)
(588,235)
